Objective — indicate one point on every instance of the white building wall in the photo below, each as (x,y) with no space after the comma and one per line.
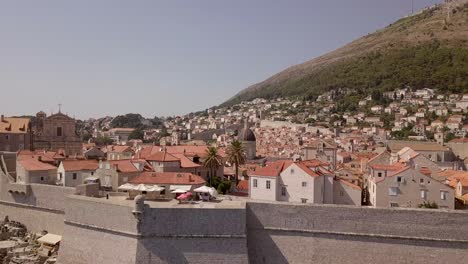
(260,192)
(292,179)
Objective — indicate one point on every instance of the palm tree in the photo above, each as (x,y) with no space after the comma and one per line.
(236,156)
(212,161)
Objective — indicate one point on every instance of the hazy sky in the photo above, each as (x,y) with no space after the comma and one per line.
(112,57)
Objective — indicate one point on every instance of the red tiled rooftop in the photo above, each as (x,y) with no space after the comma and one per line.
(162,156)
(78,165)
(123,165)
(272,169)
(243,185)
(35,165)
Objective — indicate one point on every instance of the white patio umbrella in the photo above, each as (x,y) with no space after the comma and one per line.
(126,187)
(203,189)
(178,191)
(155,188)
(141,188)
(213,192)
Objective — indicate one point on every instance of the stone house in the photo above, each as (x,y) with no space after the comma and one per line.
(114,152)
(345,192)
(309,181)
(115,173)
(409,188)
(32,170)
(323,150)
(71,173)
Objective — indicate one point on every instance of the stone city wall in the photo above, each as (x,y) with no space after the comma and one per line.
(158,235)
(288,233)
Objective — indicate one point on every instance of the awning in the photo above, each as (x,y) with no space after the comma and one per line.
(50,239)
(126,187)
(181,187)
(92,178)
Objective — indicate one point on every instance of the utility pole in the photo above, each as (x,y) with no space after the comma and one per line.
(412,6)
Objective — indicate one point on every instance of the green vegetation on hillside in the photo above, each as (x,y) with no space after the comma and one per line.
(428,65)
(429,49)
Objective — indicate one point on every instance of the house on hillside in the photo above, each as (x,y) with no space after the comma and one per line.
(408,187)
(310,181)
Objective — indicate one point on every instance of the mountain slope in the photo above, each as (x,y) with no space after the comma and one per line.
(426,49)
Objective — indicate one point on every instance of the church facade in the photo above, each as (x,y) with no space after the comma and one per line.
(56,132)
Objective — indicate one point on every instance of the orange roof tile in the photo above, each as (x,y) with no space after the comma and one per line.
(35,165)
(162,156)
(79,165)
(123,165)
(14,125)
(243,185)
(272,169)
(186,162)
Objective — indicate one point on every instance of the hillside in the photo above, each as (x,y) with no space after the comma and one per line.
(428,49)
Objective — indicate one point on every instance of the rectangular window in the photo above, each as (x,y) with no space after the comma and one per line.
(42,178)
(303,200)
(394,205)
(393,191)
(283,191)
(421,180)
(443,195)
(304,184)
(379,174)
(398,179)
(255,183)
(59,131)
(423,194)
(74,176)
(292,171)
(268,184)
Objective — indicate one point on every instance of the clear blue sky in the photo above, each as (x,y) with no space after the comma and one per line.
(112,57)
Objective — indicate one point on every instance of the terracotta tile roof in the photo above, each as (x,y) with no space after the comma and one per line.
(272,169)
(162,156)
(35,165)
(307,170)
(175,178)
(123,165)
(193,150)
(14,125)
(453,174)
(243,185)
(459,140)
(79,165)
(186,162)
(45,156)
(118,149)
(399,171)
(147,151)
(426,171)
(417,146)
